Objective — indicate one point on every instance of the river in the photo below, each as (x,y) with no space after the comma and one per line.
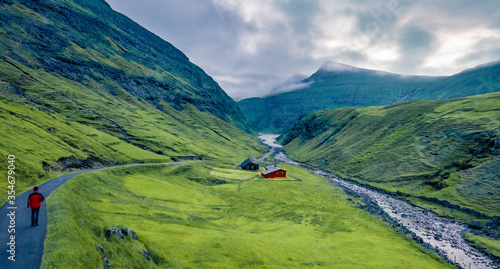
(441,234)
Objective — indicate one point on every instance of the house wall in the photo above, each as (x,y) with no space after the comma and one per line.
(276,174)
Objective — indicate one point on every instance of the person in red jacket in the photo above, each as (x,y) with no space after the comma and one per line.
(35,202)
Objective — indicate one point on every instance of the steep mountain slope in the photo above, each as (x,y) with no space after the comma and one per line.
(336,85)
(82,85)
(89,43)
(449,149)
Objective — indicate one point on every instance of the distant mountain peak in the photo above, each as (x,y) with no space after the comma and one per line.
(331,66)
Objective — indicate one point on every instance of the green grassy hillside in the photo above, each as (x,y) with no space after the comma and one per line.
(42,139)
(335,86)
(80,82)
(185,218)
(482,79)
(449,149)
(87,42)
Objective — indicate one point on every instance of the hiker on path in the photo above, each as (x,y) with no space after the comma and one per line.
(35,202)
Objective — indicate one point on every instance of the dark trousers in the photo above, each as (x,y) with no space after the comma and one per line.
(34,216)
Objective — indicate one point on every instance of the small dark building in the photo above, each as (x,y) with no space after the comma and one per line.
(249,165)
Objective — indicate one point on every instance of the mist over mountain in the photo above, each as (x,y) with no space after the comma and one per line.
(334,85)
(337,85)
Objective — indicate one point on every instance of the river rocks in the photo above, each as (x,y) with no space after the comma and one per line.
(475,225)
(490,225)
(417,238)
(438,237)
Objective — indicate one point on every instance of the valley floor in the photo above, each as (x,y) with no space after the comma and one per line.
(441,234)
(214,215)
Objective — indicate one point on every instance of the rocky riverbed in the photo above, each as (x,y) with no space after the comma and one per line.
(430,230)
(439,234)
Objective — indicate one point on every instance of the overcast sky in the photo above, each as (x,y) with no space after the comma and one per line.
(251,47)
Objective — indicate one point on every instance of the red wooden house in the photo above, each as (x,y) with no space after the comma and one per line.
(272,172)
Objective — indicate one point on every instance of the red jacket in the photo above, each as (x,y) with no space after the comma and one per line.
(35,200)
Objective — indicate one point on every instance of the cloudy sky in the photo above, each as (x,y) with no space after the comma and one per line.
(251,47)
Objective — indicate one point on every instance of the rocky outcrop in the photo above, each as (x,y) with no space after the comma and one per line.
(146,255)
(65,164)
(114,231)
(127,231)
(120,234)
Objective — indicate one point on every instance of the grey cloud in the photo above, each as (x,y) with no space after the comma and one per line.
(302,14)
(487,50)
(211,32)
(415,40)
(293,83)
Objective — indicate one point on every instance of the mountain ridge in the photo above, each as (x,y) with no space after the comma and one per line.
(445,149)
(336,85)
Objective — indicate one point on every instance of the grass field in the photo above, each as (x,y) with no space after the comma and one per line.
(213,215)
(485,244)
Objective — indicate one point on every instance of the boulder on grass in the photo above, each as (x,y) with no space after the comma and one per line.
(146,255)
(116,232)
(127,231)
(106,262)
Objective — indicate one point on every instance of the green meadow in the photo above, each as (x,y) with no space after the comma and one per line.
(214,215)
(484,243)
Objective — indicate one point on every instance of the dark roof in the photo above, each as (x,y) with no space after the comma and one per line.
(271,169)
(244,163)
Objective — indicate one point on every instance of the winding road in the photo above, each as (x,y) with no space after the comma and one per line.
(27,247)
